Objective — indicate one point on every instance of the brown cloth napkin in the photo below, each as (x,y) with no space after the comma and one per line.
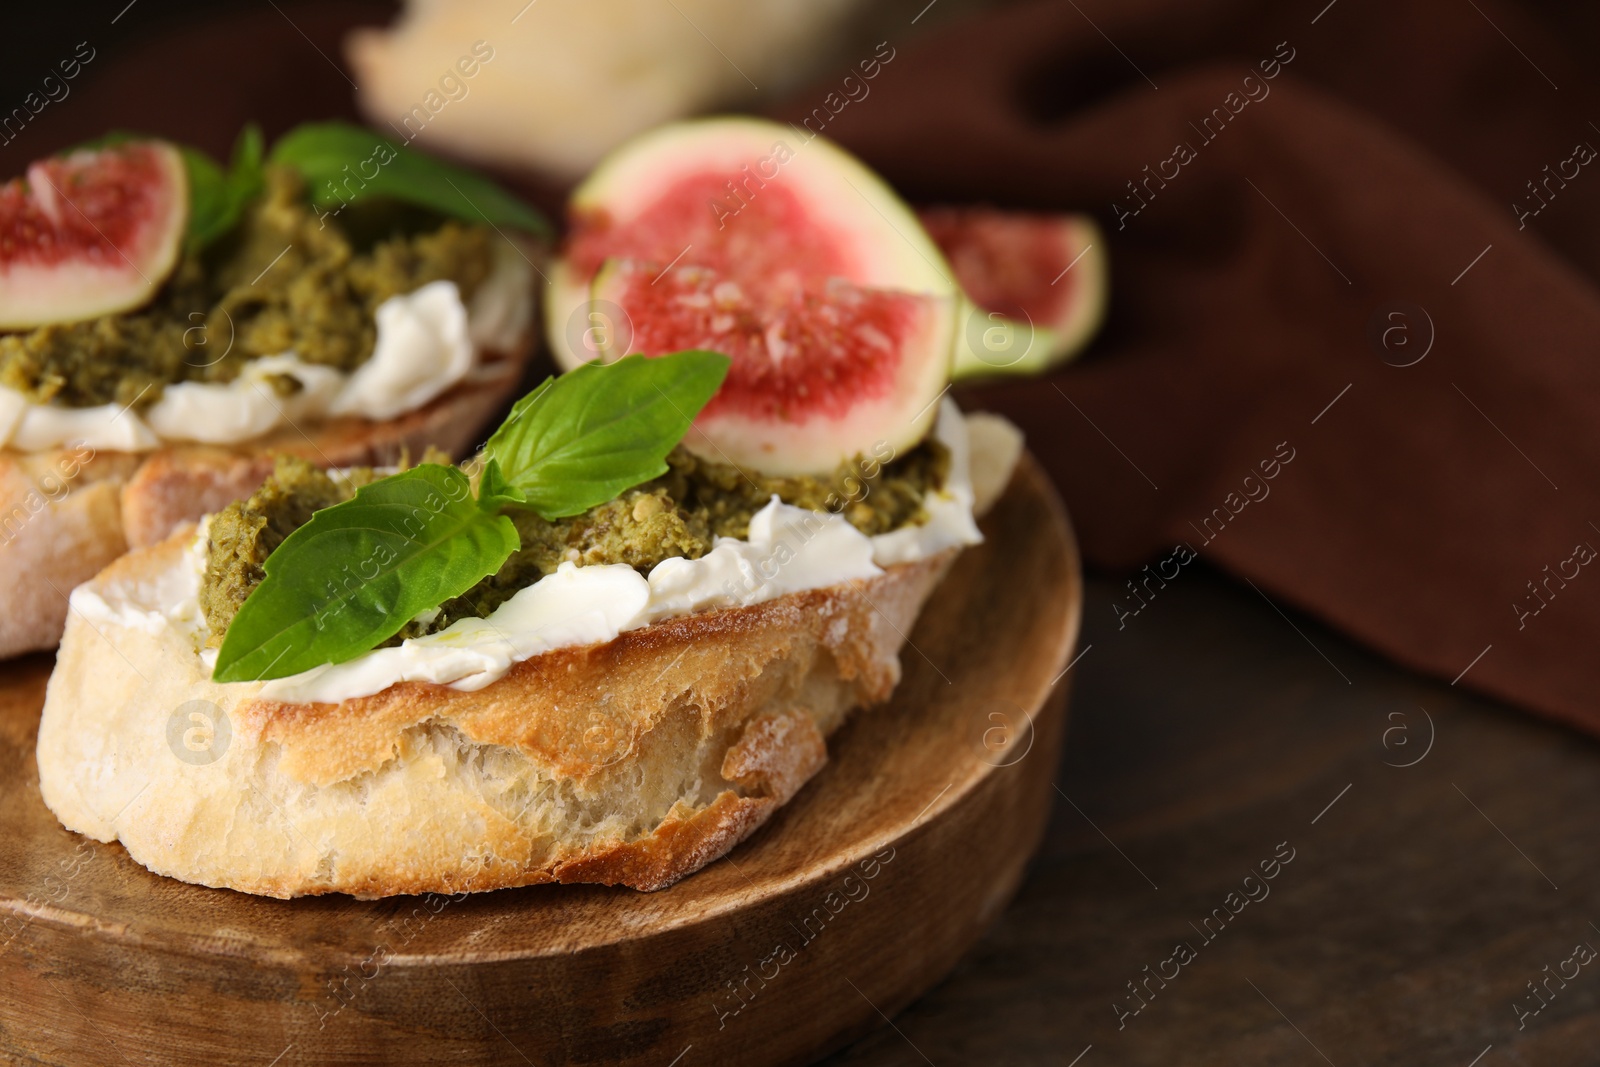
(1440,511)
(1324,225)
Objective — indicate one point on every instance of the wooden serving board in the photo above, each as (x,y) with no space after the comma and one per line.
(854,899)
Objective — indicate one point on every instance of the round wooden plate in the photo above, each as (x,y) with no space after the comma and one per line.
(855,898)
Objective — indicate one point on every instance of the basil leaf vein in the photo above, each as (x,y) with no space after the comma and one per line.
(355,574)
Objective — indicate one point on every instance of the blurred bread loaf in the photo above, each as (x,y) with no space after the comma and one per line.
(553,85)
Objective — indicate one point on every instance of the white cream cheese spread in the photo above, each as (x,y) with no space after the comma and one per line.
(427,342)
(788,549)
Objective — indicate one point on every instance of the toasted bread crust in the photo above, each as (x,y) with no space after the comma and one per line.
(119,500)
(632,762)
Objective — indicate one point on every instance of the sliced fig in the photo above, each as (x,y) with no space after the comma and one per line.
(90,233)
(754,200)
(778,248)
(1036,286)
(823,370)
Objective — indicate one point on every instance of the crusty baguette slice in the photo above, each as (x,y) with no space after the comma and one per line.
(56,531)
(633,762)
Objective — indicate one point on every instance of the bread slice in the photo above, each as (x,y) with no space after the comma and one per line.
(59,529)
(633,762)
(60,523)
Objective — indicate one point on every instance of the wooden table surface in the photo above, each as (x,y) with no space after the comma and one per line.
(1415,912)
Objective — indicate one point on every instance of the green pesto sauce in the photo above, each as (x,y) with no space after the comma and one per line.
(677,514)
(287,279)
(243,534)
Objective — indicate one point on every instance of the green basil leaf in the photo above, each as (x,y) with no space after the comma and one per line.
(493,489)
(208,197)
(248,151)
(581,439)
(217,198)
(350,578)
(343,163)
(245,168)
